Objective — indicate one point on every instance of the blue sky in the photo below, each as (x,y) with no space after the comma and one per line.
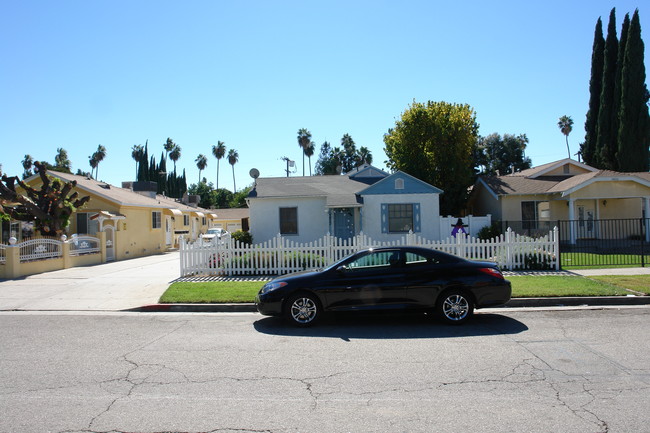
(77,74)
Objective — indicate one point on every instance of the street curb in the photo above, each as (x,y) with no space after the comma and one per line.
(513,303)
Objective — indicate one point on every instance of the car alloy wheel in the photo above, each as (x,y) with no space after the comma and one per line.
(303,310)
(455,307)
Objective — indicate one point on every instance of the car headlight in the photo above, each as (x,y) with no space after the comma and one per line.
(272,285)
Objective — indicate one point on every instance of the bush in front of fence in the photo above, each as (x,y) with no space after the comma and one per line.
(257,261)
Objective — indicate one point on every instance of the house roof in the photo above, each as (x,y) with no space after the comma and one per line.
(231,214)
(339,191)
(120,196)
(534,180)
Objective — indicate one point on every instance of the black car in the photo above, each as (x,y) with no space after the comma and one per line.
(387,278)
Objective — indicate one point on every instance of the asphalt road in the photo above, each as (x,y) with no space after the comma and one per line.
(507,371)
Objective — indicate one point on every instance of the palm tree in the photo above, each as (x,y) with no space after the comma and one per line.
(218,151)
(201,163)
(99,156)
(304,140)
(364,156)
(137,152)
(566,125)
(61,161)
(28,163)
(169,146)
(233,157)
(175,155)
(309,151)
(92,160)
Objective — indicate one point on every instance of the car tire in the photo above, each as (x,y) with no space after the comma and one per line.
(303,309)
(455,307)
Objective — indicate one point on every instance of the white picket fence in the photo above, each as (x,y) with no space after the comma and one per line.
(280,255)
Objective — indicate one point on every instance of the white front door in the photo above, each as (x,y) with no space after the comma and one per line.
(110,243)
(168,230)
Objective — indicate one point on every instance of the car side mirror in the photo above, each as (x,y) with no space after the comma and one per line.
(341,269)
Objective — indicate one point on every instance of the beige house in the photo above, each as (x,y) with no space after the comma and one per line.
(134,219)
(231,220)
(562,190)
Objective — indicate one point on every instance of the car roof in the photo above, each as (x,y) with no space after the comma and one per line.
(419,250)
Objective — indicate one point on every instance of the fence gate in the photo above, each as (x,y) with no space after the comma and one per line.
(615,243)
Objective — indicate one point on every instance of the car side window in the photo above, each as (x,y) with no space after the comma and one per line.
(414,259)
(380,259)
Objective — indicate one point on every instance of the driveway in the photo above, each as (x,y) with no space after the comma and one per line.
(107,287)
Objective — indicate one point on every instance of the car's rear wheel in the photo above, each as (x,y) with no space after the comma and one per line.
(303,309)
(455,307)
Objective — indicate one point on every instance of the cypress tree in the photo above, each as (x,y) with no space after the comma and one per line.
(595,85)
(634,130)
(143,164)
(617,90)
(606,137)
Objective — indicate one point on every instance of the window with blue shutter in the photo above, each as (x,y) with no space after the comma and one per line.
(400,218)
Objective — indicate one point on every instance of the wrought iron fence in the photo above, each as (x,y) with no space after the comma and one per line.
(38,249)
(80,245)
(619,242)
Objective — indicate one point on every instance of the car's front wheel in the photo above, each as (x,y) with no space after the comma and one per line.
(455,307)
(303,309)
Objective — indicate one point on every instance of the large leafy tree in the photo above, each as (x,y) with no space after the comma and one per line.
(49,206)
(502,155)
(219,151)
(588,148)
(329,160)
(634,130)
(433,141)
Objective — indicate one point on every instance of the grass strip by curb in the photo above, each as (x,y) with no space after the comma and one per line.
(217,292)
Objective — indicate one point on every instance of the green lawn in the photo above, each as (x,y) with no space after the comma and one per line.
(522,287)
(601,261)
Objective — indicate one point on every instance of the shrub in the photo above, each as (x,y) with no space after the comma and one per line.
(243,237)
(490,232)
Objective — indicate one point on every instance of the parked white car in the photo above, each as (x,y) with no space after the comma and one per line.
(215,233)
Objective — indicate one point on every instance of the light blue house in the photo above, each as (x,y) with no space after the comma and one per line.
(381,205)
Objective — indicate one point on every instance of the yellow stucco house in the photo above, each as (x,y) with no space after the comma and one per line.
(134,219)
(231,220)
(563,190)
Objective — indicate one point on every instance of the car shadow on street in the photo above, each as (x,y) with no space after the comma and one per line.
(393,326)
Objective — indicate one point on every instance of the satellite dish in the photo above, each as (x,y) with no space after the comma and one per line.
(254,173)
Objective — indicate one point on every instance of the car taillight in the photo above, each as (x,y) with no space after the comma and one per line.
(493,272)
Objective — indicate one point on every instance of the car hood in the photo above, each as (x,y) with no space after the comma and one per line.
(297,275)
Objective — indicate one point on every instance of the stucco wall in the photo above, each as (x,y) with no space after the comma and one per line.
(313,220)
(429,214)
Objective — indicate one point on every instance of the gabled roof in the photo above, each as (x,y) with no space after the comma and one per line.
(231,213)
(537,181)
(544,169)
(115,194)
(409,185)
(338,191)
